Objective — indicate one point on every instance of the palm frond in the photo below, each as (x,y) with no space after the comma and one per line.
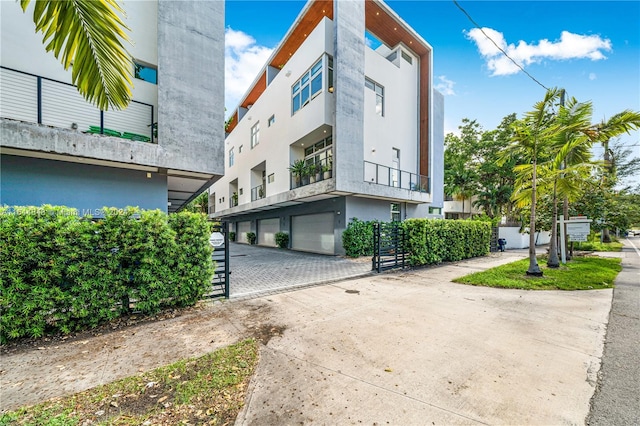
(87,35)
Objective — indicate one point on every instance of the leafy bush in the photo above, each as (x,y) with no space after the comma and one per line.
(232,236)
(432,241)
(251,237)
(282,239)
(63,273)
(357,239)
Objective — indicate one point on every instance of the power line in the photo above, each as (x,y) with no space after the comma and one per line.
(498,47)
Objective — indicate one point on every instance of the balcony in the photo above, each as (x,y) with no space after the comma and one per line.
(36,99)
(303,173)
(258,192)
(395,178)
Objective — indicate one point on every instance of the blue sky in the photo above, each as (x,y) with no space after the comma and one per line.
(589,48)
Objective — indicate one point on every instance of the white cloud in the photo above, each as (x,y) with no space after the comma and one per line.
(243,60)
(570,46)
(445,86)
(592,76)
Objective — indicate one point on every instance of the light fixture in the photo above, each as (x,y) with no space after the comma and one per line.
(148,175)
(373,150)
(168,203)
(288,74)
(377,13)
(331,89)
(74,126)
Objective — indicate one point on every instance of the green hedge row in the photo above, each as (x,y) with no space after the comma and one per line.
(61,272)
(429,241)
(432,241)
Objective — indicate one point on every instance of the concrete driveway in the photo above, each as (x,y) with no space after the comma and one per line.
(414,349)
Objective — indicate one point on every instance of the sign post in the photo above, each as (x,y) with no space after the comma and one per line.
(578,229)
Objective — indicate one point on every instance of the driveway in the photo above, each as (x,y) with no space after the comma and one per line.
(258,270)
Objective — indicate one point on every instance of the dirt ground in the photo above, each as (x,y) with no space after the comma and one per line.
(34,370)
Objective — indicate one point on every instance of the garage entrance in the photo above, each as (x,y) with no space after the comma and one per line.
(267,229)
(313,232)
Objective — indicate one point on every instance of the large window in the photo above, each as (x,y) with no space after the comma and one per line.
(305,89)
(231,157)
(255,135)
(379,91)
(320,152)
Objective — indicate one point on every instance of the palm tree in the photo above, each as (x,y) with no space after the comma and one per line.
(87,35)
(623,122)
(532,136)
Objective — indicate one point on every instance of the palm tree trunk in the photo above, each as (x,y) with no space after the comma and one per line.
(534,269)
(553,261)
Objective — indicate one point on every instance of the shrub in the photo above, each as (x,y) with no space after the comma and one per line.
(63,273)
(251,237)
(357,239)
(282,239)
(232,236)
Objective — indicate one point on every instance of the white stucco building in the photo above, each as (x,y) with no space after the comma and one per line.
(52,149)
(366,123)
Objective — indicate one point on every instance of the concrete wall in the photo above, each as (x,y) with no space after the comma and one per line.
(437,150)
(517,240)
(33,182)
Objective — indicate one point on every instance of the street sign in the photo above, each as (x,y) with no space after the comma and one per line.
(216,239)
(578,229)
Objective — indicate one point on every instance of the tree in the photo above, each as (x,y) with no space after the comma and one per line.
(532,135)
(200,204)
(460,163)
(87,35)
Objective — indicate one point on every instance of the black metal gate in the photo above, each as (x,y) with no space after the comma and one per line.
(493,248)
(220,242)
(389,244)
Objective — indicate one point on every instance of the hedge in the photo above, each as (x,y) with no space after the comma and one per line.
(62,273)
(429,241)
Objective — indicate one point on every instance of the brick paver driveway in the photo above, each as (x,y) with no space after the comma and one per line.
(261,270)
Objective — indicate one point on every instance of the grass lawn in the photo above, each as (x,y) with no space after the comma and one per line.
(206,390)
(580,273)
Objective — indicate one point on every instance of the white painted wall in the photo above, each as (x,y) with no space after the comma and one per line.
(517,240)
(398,128)
(274,143)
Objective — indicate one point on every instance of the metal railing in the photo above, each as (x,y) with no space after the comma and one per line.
(312,173)
(36,99)
(258,192)
(396,178)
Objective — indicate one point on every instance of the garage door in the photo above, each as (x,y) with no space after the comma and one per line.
(313,232)
(243,228)
(267,229)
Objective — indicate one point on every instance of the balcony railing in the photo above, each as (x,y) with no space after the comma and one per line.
(312,173)
(396,178)
(36,99)
(258,192)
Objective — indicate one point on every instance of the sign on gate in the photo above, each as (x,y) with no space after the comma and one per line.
(216,239)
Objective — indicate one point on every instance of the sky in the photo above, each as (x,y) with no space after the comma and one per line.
(589,48)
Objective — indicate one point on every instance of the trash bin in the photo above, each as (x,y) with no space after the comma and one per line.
(502,243)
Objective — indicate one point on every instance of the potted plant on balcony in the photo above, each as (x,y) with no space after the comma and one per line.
(261,192)
(311,171)
(297,170)
(327,169)
(234,199)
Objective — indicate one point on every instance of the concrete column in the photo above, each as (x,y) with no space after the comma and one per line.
(349,48)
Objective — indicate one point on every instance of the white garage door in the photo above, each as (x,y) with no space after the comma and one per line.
(313,232)
(267,229)
(243,228)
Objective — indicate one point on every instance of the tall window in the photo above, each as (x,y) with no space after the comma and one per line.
(320,152)
(305,89)
(255,135)
(231,157)
(379,91)
(395,212)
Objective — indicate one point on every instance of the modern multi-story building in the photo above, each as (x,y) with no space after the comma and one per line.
(161,151)
(332,129)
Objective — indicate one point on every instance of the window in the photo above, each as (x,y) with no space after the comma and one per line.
(146,73)
(406,57)
(435,210)
(395,212)
(305,89)
(271,121)
(241,191)
(240,149)
(330,74)
(320,152)
(255,135)
(271,178)
(395,168)
(231,157)
(379,91)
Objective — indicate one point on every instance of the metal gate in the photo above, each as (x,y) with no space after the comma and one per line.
(220,242)
(389,244)
(493,248)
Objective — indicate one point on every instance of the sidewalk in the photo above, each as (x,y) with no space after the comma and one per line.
(397,348)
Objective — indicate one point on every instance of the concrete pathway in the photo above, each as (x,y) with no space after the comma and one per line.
(617,398)
(257,271)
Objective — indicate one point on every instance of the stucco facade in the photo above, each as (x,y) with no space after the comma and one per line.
(365,123)
(44,118)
